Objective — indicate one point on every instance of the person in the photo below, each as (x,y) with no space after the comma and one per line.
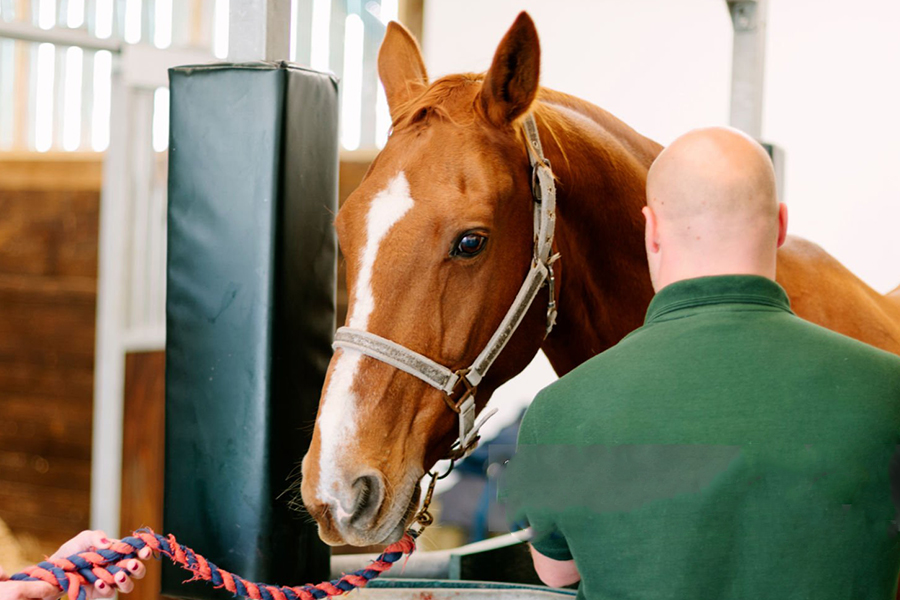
(84,541)
(727,448)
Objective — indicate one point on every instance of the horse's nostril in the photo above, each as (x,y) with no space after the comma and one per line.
(369,494)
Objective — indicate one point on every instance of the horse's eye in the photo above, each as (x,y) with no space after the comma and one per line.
(469,245)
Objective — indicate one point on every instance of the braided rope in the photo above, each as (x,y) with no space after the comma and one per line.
(73,574)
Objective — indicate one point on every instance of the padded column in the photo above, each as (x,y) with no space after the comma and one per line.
(253,172)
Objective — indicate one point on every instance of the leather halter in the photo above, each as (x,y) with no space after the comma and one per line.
(446,380)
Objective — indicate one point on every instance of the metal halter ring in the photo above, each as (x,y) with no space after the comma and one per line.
(424,518)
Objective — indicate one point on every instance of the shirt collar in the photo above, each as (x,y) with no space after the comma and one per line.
(718,289)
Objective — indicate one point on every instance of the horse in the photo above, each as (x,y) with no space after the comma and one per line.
(437,241)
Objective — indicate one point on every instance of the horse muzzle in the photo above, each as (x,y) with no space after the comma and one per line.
(358,514)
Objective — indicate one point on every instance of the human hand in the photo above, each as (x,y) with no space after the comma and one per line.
(84,541)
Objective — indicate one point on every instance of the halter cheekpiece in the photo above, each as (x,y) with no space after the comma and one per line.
(543,190)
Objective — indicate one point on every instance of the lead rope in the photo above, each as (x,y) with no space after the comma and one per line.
(74,574)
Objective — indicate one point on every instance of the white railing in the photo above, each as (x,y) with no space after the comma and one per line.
(56,62)
(55,74)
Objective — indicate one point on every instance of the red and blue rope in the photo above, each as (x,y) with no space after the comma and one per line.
(71,575)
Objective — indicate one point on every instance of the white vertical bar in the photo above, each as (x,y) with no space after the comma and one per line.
(46,14)
(293,32)
(59,95)
(73,95)
(156,269)
(320,46)
(87,99)
(132,21)
(75,14)
(382,118)
(43,112)
(7,79)
(162,27)
(103,19)
(351,102)
(221,29)
(140,168)
(161,119)
(109,354)
(100,116)
(388,11)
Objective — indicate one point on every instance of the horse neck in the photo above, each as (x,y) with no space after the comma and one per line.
(604,287)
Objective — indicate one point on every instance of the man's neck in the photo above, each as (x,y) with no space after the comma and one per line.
(671,275)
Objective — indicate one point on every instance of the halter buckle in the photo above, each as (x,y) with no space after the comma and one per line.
(457,406)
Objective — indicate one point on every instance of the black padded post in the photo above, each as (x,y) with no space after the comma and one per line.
(253,171)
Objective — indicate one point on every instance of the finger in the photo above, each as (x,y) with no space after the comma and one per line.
(99,539)
(33,589)
(3,575)
(123,582)
(136,568)
(145,553)
(102,590)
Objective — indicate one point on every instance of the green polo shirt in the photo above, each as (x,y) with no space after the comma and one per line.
(727,449)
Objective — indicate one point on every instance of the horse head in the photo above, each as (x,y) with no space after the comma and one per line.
(438,239)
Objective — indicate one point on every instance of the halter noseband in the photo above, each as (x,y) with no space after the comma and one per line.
(543,190)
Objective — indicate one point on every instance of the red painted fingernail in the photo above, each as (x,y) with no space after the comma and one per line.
(120,577)
(101,585)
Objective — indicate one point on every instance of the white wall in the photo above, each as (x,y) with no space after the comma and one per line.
(664,67)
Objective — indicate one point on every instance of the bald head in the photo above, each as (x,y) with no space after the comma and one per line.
(712,208)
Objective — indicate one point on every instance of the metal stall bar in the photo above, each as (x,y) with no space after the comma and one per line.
(748,17)
(748,69)
(260,30)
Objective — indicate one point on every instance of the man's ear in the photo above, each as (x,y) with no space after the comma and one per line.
(511,84)
(651,233)
(400,67)
(782,223)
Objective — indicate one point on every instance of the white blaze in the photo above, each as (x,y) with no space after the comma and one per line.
(337,421)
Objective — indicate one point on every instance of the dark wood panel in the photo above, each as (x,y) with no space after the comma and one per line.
(76,384)
(49,233)
(54,417)
(44,470)
(43,508)
(46,426)
(48,328)
(144,445)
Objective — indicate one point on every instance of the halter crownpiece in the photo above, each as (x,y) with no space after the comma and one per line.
(543,190)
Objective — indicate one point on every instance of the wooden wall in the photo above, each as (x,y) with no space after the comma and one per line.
(49,211)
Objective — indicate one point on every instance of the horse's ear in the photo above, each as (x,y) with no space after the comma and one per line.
(512,81)
(400,66)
